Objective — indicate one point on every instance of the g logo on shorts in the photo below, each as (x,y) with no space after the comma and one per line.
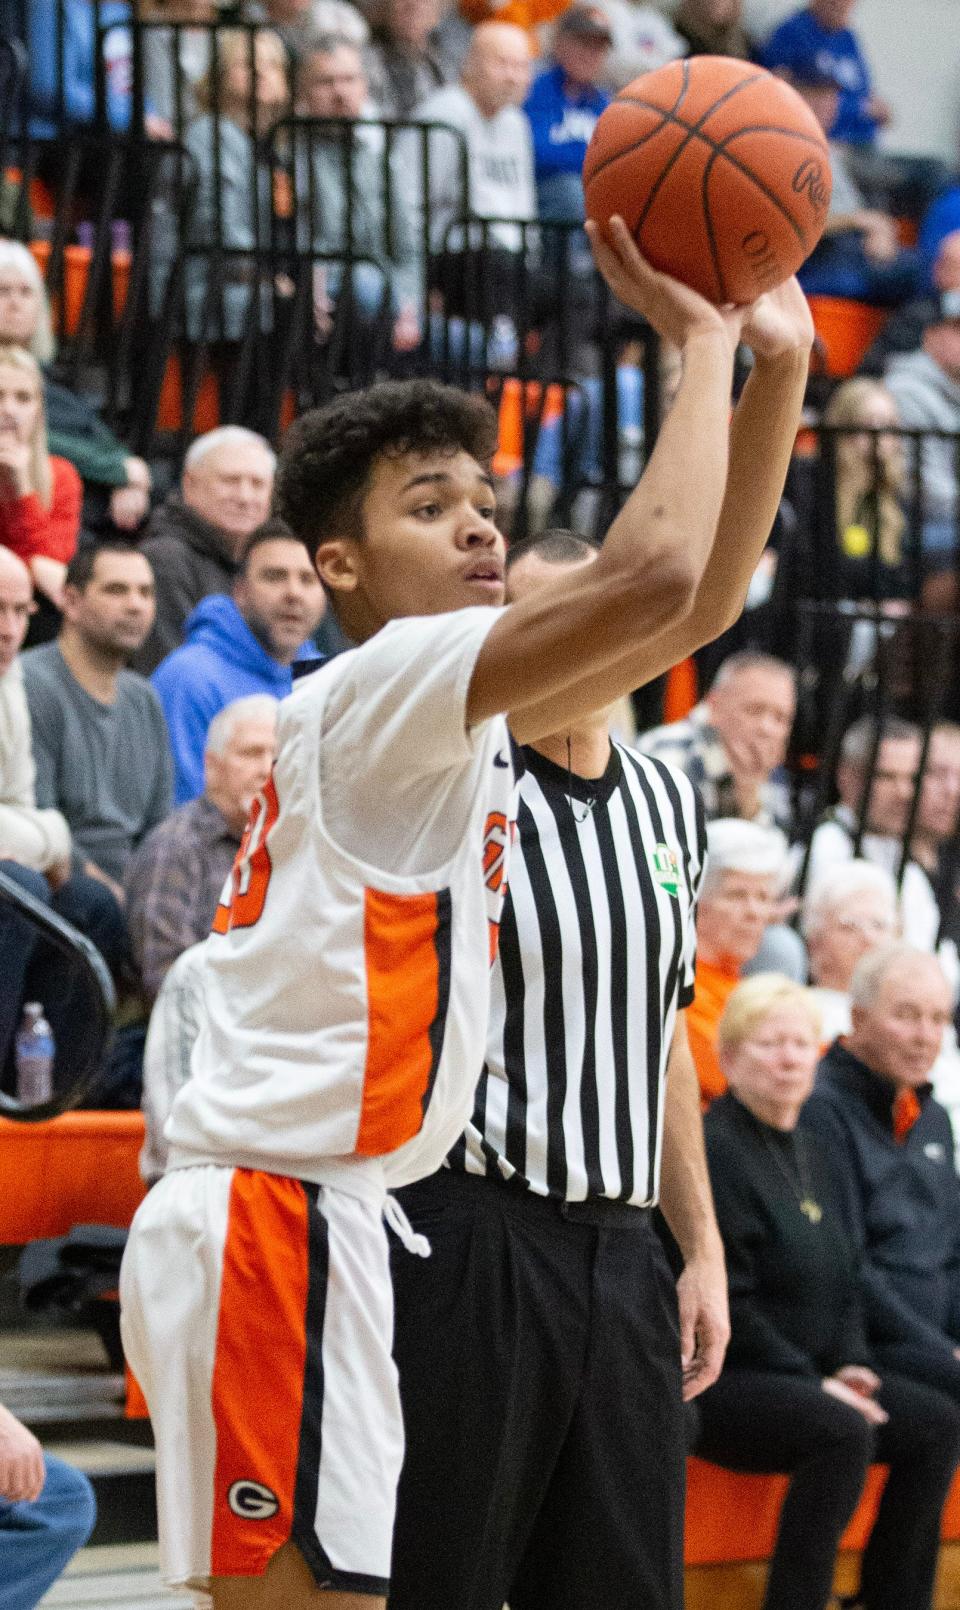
(251,1501)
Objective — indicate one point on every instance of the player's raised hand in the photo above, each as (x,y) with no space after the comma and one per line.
(778,322)
(672,308)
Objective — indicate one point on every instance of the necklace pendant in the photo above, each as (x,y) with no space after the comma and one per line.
(811,1209)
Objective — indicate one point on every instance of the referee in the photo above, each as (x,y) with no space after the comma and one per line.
(539,1349)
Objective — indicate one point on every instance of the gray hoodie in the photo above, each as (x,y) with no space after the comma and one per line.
(928,399)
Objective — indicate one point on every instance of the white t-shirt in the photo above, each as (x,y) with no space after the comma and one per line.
(347,980)
(500,178)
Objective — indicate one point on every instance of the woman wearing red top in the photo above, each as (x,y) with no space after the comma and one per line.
(40,496)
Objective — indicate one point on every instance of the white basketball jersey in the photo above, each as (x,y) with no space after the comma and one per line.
(347,977)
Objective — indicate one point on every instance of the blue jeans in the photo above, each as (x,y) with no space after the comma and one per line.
(839,266)
(38,1540)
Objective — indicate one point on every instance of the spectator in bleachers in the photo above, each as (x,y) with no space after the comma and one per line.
(179,871)
(903,330)
(714,28)
(799,1392)
(47,1512)
(478,269)
(934,844)
(35,843)
(99,738)
(299,22)
(117,480)
(233,199)
(851,503)
(196,537)
(408,57)
(40,494)
(563,107)
(644,38)
(77,22)
(859,255)
(926,386)
(883,799)
(239,645)
(353,194)
(941,220)
(174,1025)
(745,876)
(175,60)
(816,42)
(734,742)
(891,1144)
(848,911)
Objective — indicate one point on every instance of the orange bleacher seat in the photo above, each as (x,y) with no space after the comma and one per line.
(80,1168)
(846,330)
(206,411)
(732,1518)
(41,198)
(76,274)
(680,694)
(518,404)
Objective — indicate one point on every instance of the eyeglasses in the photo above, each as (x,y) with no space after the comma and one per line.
(867,927)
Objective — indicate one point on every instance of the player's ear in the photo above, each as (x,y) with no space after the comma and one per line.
(336,565)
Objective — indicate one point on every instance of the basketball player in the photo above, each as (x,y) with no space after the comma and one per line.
(347,979)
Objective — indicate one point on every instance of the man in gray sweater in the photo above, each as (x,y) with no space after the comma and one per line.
(99,737)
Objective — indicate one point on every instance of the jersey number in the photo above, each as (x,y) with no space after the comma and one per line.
(246,889)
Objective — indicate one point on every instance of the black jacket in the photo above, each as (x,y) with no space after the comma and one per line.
(904,1200)
(190,560)
(795,1295)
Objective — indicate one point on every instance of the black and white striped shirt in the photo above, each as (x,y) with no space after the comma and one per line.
(597,953)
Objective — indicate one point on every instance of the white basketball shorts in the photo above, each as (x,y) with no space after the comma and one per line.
(257,1316)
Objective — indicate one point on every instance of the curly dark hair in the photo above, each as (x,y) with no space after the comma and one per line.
(328,454)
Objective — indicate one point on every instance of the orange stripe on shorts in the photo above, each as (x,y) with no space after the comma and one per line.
(257,1390)
(406,946)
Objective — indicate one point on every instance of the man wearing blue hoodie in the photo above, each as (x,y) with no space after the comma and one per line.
(239,645)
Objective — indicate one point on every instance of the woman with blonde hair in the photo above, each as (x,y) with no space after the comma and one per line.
(244,92)
(40,495)
(74,431)
(798,1393)
(870,473)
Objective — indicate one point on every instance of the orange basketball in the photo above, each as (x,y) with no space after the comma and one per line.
(718,168)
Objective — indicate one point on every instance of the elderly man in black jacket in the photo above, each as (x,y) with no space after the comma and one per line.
(892,1144)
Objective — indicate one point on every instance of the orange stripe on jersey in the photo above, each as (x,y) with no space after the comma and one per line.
(407,952)
(258,1373)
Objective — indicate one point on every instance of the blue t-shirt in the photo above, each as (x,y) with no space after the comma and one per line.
(800,43)
(941,219)
(562,123)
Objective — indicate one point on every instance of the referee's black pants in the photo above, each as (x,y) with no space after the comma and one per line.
(762,1421)
(539,1361)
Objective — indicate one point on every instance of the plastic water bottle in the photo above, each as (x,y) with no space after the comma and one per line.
(33,1056)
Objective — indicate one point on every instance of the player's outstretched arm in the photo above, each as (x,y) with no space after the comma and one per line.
(653,559)
(779,330)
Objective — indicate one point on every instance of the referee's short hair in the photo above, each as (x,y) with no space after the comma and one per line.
(557,547)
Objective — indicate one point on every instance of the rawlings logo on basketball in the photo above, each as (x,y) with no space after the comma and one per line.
(810,181)
(251,1501)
